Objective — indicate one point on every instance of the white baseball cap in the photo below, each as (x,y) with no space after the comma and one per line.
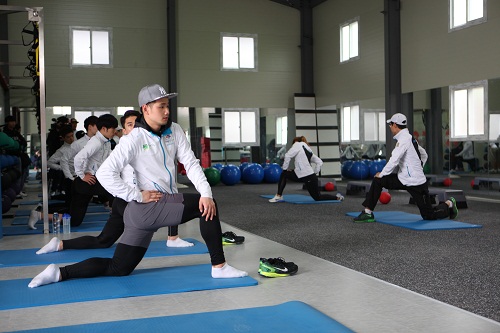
(398,118)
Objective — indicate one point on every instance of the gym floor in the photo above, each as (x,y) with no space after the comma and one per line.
(344,268)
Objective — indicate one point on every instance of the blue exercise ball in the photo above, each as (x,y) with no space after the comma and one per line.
(253,174)
(218,166)
(344,169)
(375,167)
(272,173)
(230,175)
(359,170)
(243,166)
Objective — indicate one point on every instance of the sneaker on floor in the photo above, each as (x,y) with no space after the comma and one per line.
(340,197)
(453,209)
(230,237)
(276,198)
(364,217)
(276,267)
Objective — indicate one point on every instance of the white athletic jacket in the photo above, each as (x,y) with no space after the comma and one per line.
(467,152)
(153,156)
(90,158)
(68,157)
(302,166)
(54,161)
(404,156)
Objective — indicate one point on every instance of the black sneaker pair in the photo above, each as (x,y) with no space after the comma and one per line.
(276,267)
(364,217)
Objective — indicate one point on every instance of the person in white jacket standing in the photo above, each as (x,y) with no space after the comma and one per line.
(152,149)
(307,165)
(404,171)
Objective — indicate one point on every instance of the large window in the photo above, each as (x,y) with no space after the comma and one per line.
(468,111)
(91,47)
(350,123)
(374,126)
(349,40)
(120,110)
(240,127)
(281,130)
(464,13)
(239,52)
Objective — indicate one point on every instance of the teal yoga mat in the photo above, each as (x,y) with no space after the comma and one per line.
(28,257)
(415,222)
(16,294)
(24,230)
(291,316)
(300,199)
(89,217)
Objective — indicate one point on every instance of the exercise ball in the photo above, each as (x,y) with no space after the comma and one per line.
(230,175)
(6,203)
(344,169)
(329,187)
(375,167)
(243,166)
(272,173)
(213,176)
(253,174)
(358,170)
(385,198)
(472,183)
(218,166)
(447,182)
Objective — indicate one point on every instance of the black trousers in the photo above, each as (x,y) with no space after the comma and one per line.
(81,194)
(419,193)
(310,181)
(126,257)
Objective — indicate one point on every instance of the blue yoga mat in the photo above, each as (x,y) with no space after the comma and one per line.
(89,217)
(291,316)
(90,209)
(16,294)
(300,199)
(28,257)
(36,202)
(24,230)
(415,222)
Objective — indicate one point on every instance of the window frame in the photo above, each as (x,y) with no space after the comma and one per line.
(241,143)
(341,48)
(255,52)
(281,135)
(468,23)
(91,29)
(382,126)
(468,86)
(342,119)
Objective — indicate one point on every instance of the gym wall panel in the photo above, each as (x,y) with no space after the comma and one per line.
(433,57)
(306,119)
(327,119)
(329,152)
(328,135)
(336,83)
(310,135)
(201,81)
(330,168)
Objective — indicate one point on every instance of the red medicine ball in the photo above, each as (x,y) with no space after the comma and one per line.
(385,198)
(329,186)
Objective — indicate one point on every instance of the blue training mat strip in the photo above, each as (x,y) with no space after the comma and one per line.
(300,199)
(24,230)
(16,294)
(36,202)
(415,222)
(89,217)
(28,257)
(291,316)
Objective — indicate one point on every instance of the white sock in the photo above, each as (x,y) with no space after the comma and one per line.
(178,242)
(51,274)
(34,217)
(367,211)
(51,246)
(227,271)
(449,203)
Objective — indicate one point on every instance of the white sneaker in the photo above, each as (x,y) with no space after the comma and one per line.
(34,217)
(24,194)
(340,197)
(276,198)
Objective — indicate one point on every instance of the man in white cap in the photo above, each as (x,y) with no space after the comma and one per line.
(407,160)
(152,148)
